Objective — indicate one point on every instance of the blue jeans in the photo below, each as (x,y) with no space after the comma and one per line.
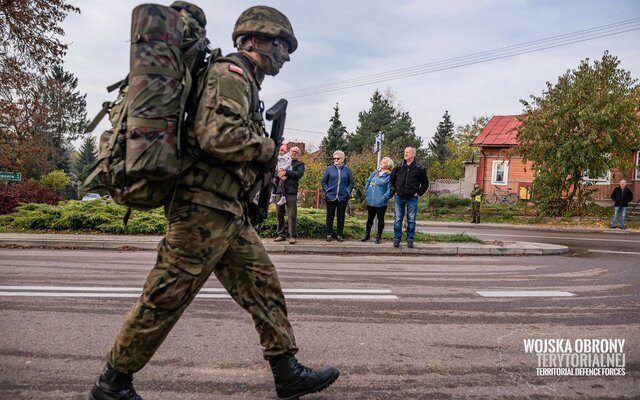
(622,211)
(411,206)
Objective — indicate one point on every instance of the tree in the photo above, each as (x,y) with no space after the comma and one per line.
(384,116)
(460,150)
(587,121)
(86,158)
(66,116)
(30,47)
(438,149)
(57,180)
(336,137)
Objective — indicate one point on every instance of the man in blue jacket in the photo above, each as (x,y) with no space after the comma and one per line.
(408,182)
(337,184)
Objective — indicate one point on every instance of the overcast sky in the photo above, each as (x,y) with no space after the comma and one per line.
(347,40)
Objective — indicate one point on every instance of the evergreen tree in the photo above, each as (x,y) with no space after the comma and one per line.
(397,125)
(86,158)
(438,148)
(336,137)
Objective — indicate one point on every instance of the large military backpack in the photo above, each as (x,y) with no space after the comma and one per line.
(140,156)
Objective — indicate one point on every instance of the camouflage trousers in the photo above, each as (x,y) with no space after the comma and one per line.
(199,241)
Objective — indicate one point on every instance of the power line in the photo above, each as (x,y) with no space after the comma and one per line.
(471,59)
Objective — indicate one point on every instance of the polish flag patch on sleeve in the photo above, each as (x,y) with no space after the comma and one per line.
(236,69)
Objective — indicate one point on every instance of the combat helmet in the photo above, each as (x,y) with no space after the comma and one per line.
(265,21)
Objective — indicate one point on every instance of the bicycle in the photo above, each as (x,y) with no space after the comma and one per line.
(505,197)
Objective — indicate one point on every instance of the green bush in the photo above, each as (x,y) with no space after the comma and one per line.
(449,201)
(311,224)
(85,216)
(95,216)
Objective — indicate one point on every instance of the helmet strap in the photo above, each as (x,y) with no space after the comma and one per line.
(272,56)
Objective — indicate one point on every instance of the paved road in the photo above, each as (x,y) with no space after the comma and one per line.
(422,332)
(601,240)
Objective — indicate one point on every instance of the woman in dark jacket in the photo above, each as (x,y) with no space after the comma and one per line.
(337,184)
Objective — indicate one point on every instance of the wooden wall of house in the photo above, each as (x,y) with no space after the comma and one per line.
(520,173)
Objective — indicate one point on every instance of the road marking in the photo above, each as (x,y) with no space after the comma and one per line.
(532,236)
(614,252)
(525,293)
(205,293)
(203,290)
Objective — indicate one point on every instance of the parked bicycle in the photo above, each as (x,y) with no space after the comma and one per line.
(504,196)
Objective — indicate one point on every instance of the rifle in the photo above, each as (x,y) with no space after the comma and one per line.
(260,193)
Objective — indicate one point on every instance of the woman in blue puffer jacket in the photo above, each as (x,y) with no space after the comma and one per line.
(337,184)
(377,191)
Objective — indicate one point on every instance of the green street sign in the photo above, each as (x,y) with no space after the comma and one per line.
(10,176)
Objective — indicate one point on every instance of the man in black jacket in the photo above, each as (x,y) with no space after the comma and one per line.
(408,182)
(621,197)
(292,177)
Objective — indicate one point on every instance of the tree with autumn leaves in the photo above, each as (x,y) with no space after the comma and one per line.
(41,111)
(587,122)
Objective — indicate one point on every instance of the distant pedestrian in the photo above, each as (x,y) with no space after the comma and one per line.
(337,184)
(290,194)
(621,197)
(408,182)
(377,192)
(476,199)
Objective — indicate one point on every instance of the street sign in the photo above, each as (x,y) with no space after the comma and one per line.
(378,142)
(10,176)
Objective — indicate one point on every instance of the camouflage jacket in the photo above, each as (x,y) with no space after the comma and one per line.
(229,136)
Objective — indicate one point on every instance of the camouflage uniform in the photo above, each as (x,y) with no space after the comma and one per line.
(208,228)
(475,205)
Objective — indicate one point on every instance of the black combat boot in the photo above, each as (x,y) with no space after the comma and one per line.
(294,379)
(112,385)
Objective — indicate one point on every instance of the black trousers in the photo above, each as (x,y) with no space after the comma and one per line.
(334,207)
(372,213)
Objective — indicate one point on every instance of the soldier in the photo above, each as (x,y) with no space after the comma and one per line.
(476,199)
(209,231)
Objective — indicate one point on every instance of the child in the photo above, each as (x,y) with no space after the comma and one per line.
(284,164)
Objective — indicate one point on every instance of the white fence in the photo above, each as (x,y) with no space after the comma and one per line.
(452,187)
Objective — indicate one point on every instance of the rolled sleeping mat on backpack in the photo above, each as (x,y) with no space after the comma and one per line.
(156,73)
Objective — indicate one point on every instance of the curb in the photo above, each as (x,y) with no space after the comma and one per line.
(146,243)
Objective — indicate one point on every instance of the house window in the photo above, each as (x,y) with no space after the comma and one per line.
(500,172)
(597,180)
(637,175)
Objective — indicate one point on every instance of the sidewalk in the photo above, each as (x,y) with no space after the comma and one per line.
(348,247)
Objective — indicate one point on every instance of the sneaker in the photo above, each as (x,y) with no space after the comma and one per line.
(339,238)
(329,238)
(280,239)
(282,201)
(621,227)
(410,244)
(292,240)
(396,243)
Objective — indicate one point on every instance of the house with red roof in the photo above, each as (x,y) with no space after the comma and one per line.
(498,168)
